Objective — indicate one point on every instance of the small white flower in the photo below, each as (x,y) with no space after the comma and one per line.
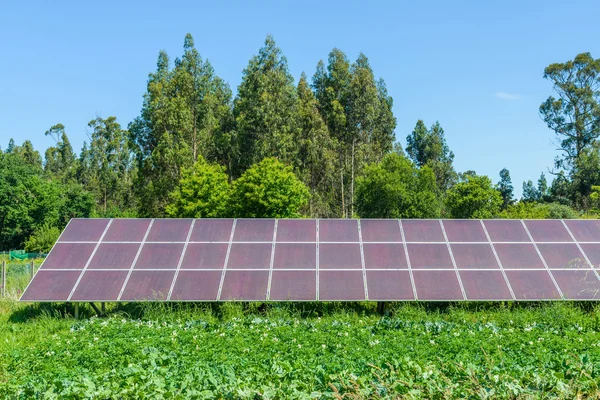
(324,346)
(432,342)
(531,343)
(95,339)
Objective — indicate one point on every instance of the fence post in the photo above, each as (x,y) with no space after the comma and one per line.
(3,278)
(32,270)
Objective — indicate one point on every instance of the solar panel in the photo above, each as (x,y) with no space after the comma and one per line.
(325,260)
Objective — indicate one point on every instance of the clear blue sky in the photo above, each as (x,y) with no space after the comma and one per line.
(476,66)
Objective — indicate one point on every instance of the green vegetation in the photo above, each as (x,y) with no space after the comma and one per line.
(325,350)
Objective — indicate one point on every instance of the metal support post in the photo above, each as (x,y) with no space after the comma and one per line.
(3,278)
(383,308)
(103,307)
(76,310)
(32,270)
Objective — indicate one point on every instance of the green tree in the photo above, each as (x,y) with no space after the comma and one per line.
(529,210)
(395,188)
(505,188)
(542,187)
(42,240)
(60,160)
(203,192)
(530,192)
(269,189)
(265,108)
(475,197)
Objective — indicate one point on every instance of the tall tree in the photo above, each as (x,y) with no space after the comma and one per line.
(474,197)
(265,108)
(60,160)
(542,187)
(26,152)
(505,188)
(530,192)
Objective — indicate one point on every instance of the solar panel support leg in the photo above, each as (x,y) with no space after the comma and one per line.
(98,313)
(76,310)
(383,308)
(103,307)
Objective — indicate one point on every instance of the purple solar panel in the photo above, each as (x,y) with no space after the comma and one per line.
(563,255)
(338,230)
(211,230)
(196,286)
(204,256)
(384,255)
(471,256)
(148,285)
(592,251)
(84,230)
(464,230)
(99,286)
(169,230)
(249,256)
(549,230)
(340,256)
(51,286)
(437,285)
(380,230)
(293,285)
(159,256)
(127,230)
(389,285)
(431,255)
(422,230)
(532,285)
(578,285)
(518,256)
(341,285)
(296,230)
(254,230)
(485,285)
(69,256)
(506,230)
(245,285)
(584,230)
(295,256)
(114,256)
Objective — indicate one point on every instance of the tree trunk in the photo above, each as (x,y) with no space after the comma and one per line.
(342,181)
(352,184)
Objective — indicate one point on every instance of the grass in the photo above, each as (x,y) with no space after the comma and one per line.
(312,350)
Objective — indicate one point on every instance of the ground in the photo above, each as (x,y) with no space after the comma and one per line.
(312,350)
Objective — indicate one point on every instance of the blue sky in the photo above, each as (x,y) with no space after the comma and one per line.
(476,66)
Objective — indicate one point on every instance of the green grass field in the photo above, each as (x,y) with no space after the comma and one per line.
(252,351)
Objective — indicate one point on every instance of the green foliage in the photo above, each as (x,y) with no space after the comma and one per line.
(268,189)
(532,210)
(395,188)
(42,239)
(474,197)
(60,160)
(505,188)
(203,192)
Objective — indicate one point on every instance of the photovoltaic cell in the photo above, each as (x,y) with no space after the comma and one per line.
(196,285)
(437,285)
(211,230)
(389,285)
(578,285)
(548,230)
(485,285)
(295,256)
(532,285)
(84,230)
(463,230)
(422,230)
(99,286)
(563,255)
(114,256)
(506,230)
(51,286)
(429,256)
(249,256)
(254,230)
(245,285)
(479,256)
(380,230)
(204,256)
(338,230)
(293,285)
(127,230)
(169,230)
(384,255)
(341,285)
(69,256)
(148,285)
(518,256)
(340,256)
(297,230)
(584,230)
(159,256)
(592,251)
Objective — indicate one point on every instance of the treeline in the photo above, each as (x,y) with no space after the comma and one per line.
(324,147)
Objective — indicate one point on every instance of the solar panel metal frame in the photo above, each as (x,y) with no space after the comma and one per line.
(317,243)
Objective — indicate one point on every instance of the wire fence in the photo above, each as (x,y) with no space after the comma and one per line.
(16,275)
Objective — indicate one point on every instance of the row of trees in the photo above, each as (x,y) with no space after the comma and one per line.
(324,147)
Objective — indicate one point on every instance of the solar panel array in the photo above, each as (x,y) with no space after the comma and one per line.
(326,260)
